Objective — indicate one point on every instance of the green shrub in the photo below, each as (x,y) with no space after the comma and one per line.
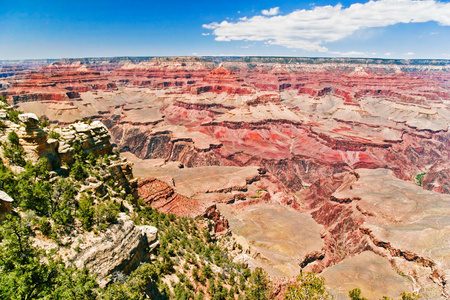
(33,188)
(13,150)
(78,170)
(44,226)
(24,274)
(409,296)
(86,211)
(258,288)
(106,212)
(54,135)
(45,123)
(418,179)
(13,115)
(308,286)
(355,294)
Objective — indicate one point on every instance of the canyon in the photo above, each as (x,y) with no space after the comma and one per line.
(336,166)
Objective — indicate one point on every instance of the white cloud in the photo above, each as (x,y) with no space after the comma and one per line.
(410,53)
(205,33)
(349,53)
(271,12)
(388,54)
(311,29)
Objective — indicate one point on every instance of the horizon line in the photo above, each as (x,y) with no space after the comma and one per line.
(226,56)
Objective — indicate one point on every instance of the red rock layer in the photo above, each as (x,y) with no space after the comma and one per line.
(163,197)
(222,80)
(58,86)
(159,75)
(437,178)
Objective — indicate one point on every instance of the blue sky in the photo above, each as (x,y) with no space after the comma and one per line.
(381,28)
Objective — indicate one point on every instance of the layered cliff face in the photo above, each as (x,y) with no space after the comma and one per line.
(227,137)
(119,250)
(58,85)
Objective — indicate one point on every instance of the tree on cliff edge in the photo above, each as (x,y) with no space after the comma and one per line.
(308,287)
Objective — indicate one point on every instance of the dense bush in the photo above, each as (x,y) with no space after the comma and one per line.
(86,211)
(29,273)
(309,286)
(13,150)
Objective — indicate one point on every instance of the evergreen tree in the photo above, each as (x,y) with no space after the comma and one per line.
(24,275)
(355,294)
(86,211)
(309,287)
(258,286)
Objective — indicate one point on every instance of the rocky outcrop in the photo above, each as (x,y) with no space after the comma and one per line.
(119,250)
(5,204)
(35,140)
(121,174)
(90,138)
(220,222)
(437,178)
(93,138)
(163,197)
(171,144)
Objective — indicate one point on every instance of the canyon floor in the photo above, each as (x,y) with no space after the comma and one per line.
(335,166)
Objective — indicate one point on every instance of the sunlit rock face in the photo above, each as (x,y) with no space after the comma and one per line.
(345,143)
(5,204)
(120,249)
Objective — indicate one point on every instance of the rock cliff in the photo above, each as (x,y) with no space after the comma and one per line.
(117,251)
(92,138)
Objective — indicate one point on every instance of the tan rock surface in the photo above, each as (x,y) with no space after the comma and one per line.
(280,235)
(371,273)
(120,249)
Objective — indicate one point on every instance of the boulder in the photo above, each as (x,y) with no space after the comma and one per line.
(5,204)
(29,119)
